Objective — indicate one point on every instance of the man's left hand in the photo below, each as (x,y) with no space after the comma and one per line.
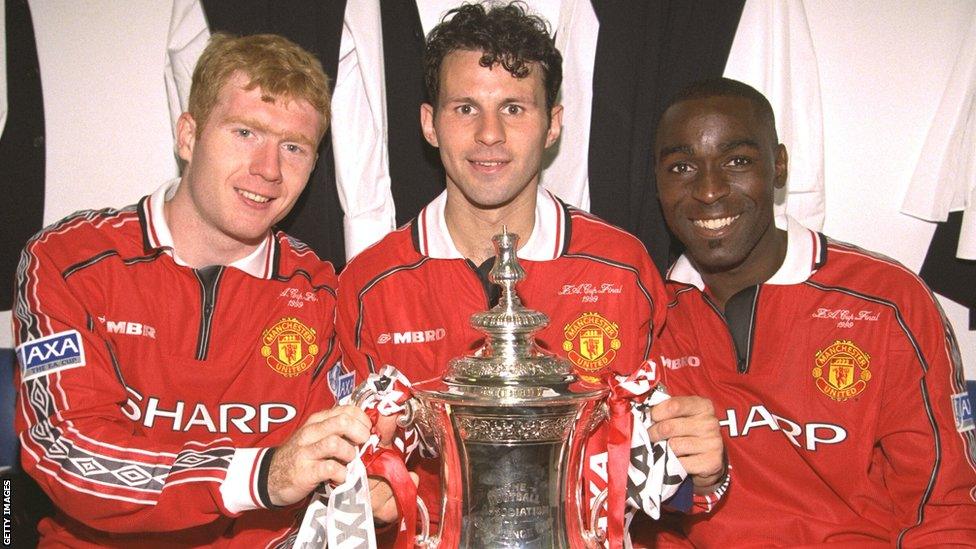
(689,425)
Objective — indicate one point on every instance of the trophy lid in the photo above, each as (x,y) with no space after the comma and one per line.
(510,354)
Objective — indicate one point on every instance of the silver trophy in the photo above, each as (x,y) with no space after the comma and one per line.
(509,423)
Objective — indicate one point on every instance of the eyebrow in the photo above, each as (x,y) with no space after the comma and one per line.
(729,145)
(505,101)
(665,151)
(297,137)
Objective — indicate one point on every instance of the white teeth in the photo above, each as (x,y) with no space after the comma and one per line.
(715,224)
(488,164)
(254,197)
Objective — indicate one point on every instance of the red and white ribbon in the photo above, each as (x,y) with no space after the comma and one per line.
(653,472)
(342,516)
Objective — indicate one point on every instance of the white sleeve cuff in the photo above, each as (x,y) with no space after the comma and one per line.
(239,491)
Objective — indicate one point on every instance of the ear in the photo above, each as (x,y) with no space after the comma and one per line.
(782,170)
(555,125)
(427,123)
(186,136)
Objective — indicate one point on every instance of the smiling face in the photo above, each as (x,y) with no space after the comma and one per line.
(491,129)
(718,164)
(245,167)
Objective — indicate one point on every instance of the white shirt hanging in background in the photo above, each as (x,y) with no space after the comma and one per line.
(773,52)
(359,130)
(566,164)
(187,37)
(945,176)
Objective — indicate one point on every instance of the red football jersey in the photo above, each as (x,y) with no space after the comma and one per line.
(407,300)
(841,399)
(150,391)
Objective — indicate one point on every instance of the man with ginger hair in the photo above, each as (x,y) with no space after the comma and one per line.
(177,361)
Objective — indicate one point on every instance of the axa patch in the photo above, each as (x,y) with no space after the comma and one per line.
(340,383)
(962,409)
(53,353)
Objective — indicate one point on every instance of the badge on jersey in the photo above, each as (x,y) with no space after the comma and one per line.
(289,346)
(841,371)
(50,354)
(340,383)
(962,409)
(591,344)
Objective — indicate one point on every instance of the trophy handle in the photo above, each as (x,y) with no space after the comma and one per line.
(406,419)
(424,539)
(593,535)
(361,393)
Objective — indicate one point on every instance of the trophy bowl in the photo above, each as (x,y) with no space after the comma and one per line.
(509,423)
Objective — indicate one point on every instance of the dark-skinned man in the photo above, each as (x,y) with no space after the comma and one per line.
(834,375)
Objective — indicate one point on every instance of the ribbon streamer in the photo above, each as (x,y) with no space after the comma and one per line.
(653,472)
(342,517)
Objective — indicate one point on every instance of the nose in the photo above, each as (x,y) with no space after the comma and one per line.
(491,130)
(710,186)
(266,162)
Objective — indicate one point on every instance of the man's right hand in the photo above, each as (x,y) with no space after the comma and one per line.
(317,452)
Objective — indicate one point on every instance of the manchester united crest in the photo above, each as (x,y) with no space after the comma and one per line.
(289,346)
(841,370)
(591,344)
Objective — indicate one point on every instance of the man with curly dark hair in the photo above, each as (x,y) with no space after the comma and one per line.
(508,36)
(493,74)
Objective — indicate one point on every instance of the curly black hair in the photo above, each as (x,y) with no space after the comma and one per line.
(505,33)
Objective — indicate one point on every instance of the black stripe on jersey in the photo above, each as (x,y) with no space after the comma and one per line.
(711,304)
(923,388)
(109,253)
(684,289)
(90,261)
(369,286)
(822,256)
(276,264)
(752,327)
(325,356)
(636,273)
(144,258)
(740,318)
(144,224)
(567,225)
(30,321)
(303,273)
(115,363)
(209,278)
(415,233)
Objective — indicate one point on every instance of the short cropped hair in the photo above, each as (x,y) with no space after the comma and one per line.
(278,66)
(726,87)
(505,34)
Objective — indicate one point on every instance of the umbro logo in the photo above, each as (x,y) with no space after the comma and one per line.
(128,328)
(678,363)
(421,336)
